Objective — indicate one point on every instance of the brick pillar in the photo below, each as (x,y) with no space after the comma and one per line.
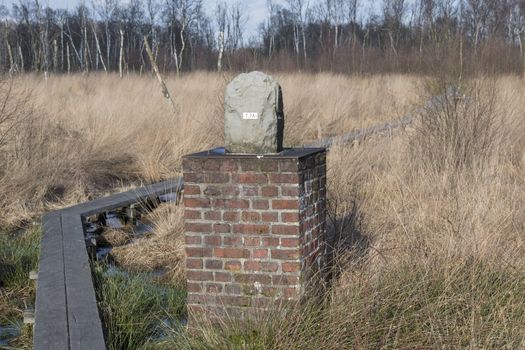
(254,226)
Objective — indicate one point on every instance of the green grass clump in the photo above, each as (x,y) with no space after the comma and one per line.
(468,305)
(133,307)
(18,256)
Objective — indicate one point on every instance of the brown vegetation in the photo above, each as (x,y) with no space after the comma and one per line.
(430,218)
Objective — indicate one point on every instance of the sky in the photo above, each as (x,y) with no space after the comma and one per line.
(254,10)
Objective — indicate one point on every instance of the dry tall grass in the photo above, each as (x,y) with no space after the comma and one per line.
(89,134)
(434,253)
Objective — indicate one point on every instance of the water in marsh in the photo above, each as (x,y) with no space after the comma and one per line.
(8,333)
(144,305)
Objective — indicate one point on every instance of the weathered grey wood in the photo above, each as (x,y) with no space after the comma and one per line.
(66,307)
(127,198)
(361,133)
(51,328)
(85,326)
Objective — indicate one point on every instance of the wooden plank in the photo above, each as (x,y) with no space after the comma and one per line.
(127,198)
(85,326)
(51,325)
(67,315)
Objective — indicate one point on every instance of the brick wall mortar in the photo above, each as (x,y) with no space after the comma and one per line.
(253,230)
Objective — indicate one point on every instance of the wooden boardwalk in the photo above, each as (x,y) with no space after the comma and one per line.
(66,315)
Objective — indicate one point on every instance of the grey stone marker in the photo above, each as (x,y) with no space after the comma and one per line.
(254,118)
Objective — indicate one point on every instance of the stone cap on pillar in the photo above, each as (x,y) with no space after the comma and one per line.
(287,153)
(253,114)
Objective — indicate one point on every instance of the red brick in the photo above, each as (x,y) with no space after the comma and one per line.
(212,164)
(192,240)
(235,300)
(250,165)
(252,278)
(289,242)
(290,292)
(231,216)
(270,241)
(194,263)
(260,204)
(213,264)
(290,217)
(285,280)
(251,216)
(251,228)
(285,254)
(288,166)
(285,229)
(212,191)
(212,215)
(285,204)
(211,178)
(230,253)
(252,265)
(230,191)
(260,253)
(192,190)
(196,202)
(194,287)
(232,203)
(250,178)
(232,265)
(292,191)
(232,289)
(228,165)
(232,241)
(222,276)
(221,228)
(212,241)
(213,288)
(270,191)
(197,227)
(199,275)
(198,252)
(291,266)
(270,216)
(284,178)
(192,214)
(269,266)
(250,191)
(269,165)
(252,241)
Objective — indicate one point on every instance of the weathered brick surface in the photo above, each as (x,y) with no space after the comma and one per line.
(254,230)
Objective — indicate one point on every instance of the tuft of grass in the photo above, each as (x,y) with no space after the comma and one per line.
(163,249)
(133,307)
(18,256)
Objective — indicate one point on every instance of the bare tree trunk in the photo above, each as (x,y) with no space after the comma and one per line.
(67,58)
(21,58)
(304,45)
(55,55)
(155,68)
(84,31)
(121,55)
(10,54)
(221,51)
(94,28)
(183,46)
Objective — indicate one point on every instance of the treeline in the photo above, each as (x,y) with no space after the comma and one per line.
(347,36)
